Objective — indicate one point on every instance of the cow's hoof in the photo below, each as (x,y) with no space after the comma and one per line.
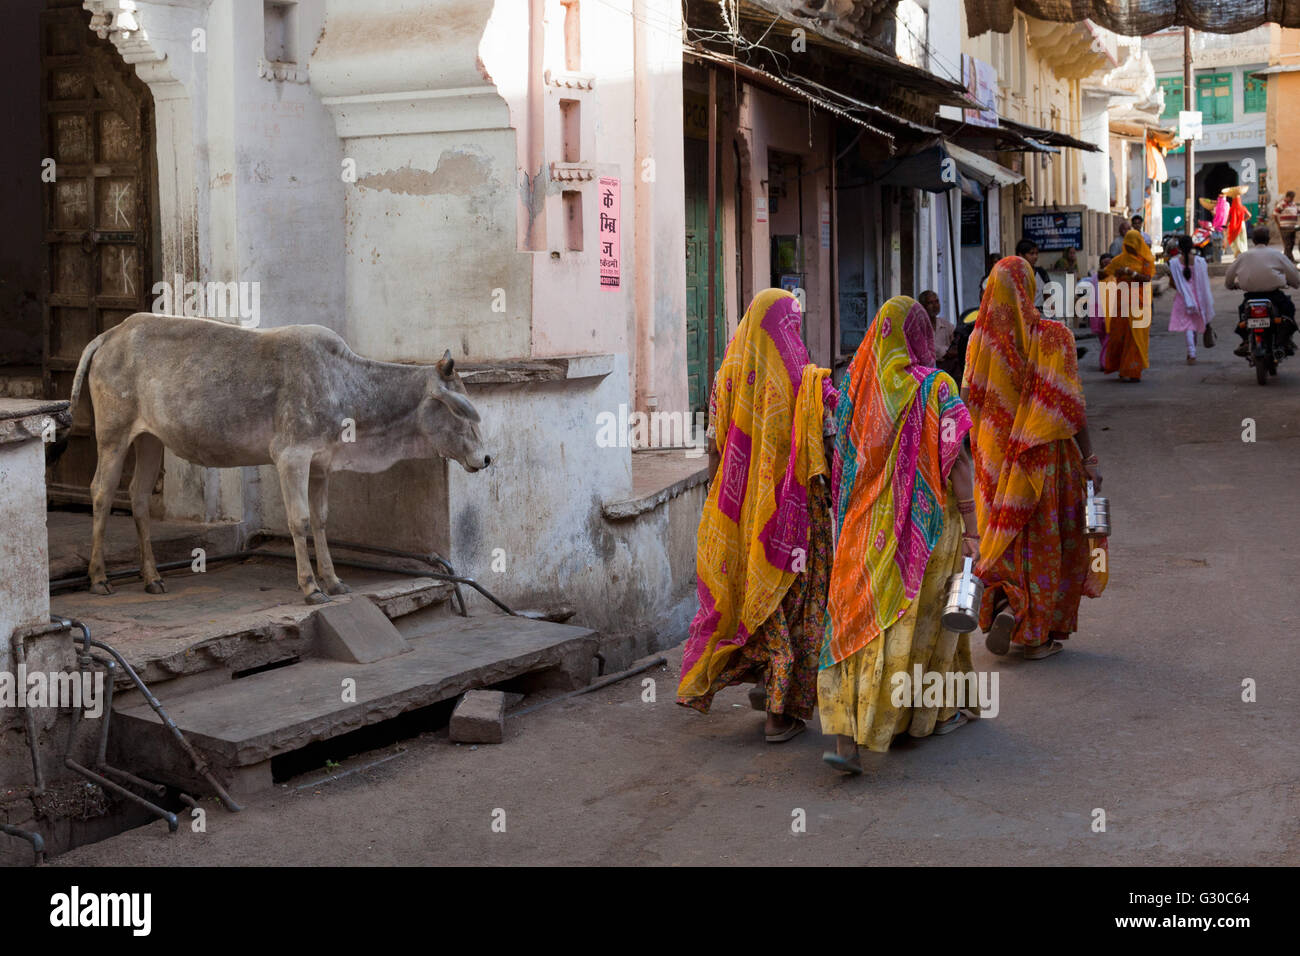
(317,597)
(100,587)
(338,587)
(156,587)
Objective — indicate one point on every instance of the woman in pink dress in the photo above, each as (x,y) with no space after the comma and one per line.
(1193,308)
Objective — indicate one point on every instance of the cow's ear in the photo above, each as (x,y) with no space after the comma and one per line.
(446,365)
(460,406)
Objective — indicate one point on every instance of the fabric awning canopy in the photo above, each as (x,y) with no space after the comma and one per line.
(926,170)
(983,170)
(1000,138)
(1054,137)
(1136,17)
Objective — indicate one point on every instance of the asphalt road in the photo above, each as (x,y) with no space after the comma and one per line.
(1142,716)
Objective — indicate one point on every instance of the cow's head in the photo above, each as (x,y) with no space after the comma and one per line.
(449,419)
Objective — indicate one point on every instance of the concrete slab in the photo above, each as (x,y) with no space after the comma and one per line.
(69,537)
(479,718)
(233,616)
(246,722)
(357,631)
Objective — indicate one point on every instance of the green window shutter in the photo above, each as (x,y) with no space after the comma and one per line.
(1254,96)
(1214,97)
(1164,193)
(1173,89)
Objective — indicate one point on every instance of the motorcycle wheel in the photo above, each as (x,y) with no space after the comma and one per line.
(1261,372)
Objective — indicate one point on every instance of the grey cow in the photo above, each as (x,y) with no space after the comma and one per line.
(224,397)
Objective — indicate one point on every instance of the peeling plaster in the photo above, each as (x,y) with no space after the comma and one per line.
(458,173)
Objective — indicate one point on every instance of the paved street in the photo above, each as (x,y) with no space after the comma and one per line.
(1141,716)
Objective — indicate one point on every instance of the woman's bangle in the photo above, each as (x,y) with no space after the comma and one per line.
(973,537)
(1091,460)
(966,507)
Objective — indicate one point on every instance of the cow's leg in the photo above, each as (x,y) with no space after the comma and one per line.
(108,472)
(294,468)
(148,460)
(318,489)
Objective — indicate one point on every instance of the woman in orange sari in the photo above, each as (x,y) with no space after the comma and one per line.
(1029,438)
(764,544)
(1125,292)
(905,520)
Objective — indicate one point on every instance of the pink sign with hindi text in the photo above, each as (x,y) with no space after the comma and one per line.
(609,203)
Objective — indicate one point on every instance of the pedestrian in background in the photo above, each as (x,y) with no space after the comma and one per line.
(1287,216)
(1193,308)
(1032,456)
(763,553)
(943,329)
(1238,216)
(1096,315)
(905,517)
(1127,307)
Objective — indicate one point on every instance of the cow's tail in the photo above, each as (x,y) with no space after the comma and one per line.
(55,449)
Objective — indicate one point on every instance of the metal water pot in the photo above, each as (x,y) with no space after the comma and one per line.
(1097,514)
(961,610)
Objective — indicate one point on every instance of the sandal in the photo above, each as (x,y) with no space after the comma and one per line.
(1043,650)
(999,637)
(843,764)
(952,723)
(794,730)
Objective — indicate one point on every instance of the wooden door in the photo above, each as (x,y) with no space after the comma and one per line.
(697,278)
(97,122)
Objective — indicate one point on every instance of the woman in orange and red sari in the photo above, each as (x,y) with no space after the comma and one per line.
(764,544)
(905,519)
(1125,293)
(1033,456)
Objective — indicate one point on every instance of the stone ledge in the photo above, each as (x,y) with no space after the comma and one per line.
(657,476)
(534,371)
(25,418)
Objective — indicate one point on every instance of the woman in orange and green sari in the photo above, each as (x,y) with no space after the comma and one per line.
(1033,456)
(904,522)
(764,544)
(1125,292)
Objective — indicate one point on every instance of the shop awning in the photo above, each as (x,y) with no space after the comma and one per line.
(1135,17)
(983,170)
(1050,136)
(1275,70)
(793,87)
(997,138)
(928,170)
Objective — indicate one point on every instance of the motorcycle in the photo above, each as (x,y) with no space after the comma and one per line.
(1266,335)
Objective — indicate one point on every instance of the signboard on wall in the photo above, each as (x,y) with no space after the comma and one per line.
(1189,124)
(1053,230)
(610,202)
(981,82)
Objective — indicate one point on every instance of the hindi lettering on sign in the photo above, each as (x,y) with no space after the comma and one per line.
(610,215)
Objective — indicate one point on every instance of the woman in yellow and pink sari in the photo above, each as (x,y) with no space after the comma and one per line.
(764,545)
(905,519)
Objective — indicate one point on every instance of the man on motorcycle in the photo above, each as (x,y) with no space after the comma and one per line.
(1264,273)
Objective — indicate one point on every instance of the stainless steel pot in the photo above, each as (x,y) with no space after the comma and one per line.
(1097,514)
(961,610)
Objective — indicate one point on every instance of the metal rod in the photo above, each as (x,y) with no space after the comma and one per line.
(35,839)
(1189,183)
(107,784)
(199,764)
(18,643)
(596,685)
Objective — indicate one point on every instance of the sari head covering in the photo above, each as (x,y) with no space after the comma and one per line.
(900,427)
(1220,214)
(1237,216)
(767,410)
(1023,391)
(1136,256)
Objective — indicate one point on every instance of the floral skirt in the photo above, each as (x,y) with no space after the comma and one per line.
(783,652)
(1051,564)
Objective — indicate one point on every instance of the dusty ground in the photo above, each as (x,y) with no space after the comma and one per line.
(1142,716)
